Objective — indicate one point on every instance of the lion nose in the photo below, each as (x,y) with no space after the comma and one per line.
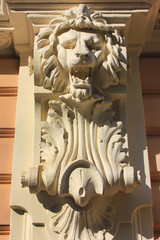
(82,52)
(83,56)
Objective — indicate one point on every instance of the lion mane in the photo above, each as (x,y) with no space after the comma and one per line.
(55,77)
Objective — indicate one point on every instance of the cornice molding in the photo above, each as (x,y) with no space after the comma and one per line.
(124,15)
(63,5)
(3,11)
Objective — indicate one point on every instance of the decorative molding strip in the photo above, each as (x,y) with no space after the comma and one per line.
(150,90)
(4,229)
(7,132)
(8,91)
(156,227)
(155,176)
(5,178)
(153,131)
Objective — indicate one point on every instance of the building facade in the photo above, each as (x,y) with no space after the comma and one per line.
(79,174)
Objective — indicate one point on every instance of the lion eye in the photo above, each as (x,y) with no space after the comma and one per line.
(69,45)
(95,47)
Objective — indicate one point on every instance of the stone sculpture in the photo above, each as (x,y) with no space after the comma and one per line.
(83,163)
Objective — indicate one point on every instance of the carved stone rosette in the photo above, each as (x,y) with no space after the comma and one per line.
(83,162)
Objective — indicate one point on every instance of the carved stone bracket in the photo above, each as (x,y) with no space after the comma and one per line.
(157,24)
(5,39)
(83,161)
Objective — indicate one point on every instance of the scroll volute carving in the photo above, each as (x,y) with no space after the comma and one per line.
(83,163)
(5,39)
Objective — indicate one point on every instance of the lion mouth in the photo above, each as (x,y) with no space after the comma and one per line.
(81,77)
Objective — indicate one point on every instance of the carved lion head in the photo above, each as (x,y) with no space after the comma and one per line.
(80,53)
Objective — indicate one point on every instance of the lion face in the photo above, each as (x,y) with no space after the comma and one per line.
(80,53)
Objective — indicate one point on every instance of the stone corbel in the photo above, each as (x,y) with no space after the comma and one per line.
(83,157)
